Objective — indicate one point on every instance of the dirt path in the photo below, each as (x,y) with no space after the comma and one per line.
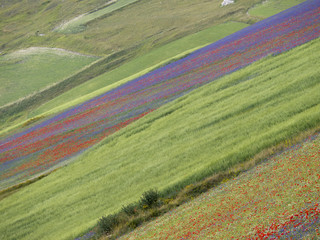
(44,50)
(64,25)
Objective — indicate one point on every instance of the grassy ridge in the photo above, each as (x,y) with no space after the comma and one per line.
(25,72)
(116,77)
(272,7)
(215,127)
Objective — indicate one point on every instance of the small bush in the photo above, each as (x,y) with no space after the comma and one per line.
(130,209)
(155,213)
(135,222)
(149,198)
(107,224)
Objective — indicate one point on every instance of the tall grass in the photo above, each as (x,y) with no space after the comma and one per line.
(207,131)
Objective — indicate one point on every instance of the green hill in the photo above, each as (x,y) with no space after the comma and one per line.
(210,130)
(207,131)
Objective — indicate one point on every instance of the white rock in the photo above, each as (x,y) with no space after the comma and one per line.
(226,2)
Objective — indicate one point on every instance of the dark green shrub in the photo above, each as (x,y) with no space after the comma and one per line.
(149,198)
(107,224)
(130,209)
(155,213)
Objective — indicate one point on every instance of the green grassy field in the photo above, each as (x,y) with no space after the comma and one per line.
(272,7)
(126,72)
(207,131)
(78,24)
(25,72)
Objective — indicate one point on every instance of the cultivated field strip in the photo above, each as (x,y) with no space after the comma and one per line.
(78,24)
(278,199)
(45,145)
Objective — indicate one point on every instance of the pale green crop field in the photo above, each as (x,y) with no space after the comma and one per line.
(272,7)
(207,131)
(25,72)
(78,24)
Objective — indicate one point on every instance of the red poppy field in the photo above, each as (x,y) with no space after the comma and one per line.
(279,199)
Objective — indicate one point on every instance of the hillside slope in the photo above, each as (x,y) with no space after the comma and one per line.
(178,134)
(28,25)
(193,137)
(55,140)
(112,78)
(32,25)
